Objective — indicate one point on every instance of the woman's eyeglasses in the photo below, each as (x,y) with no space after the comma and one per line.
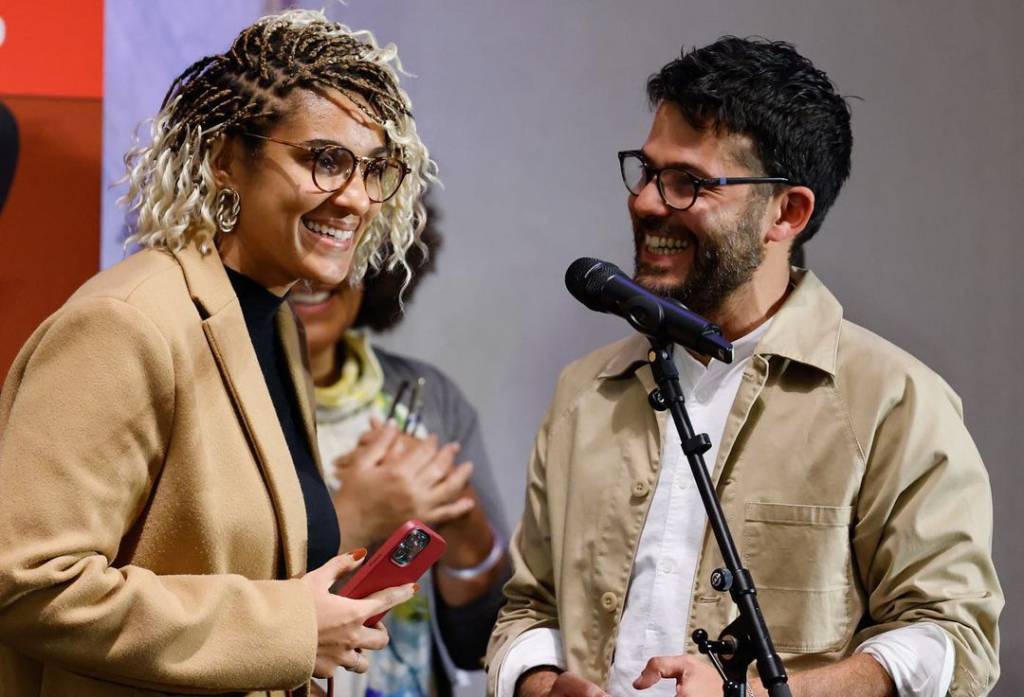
(334,165)
(678,188)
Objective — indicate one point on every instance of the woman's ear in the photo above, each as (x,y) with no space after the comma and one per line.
(793,210)
(223,160)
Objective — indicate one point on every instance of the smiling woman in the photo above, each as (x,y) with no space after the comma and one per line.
(167,526)
(293,73)
(289,227)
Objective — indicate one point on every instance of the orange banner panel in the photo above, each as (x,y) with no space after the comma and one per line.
(49,226)
(51,47)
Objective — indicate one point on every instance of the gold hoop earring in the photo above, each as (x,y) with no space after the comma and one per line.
(226,208)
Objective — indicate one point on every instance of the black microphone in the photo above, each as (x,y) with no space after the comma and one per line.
(605,288)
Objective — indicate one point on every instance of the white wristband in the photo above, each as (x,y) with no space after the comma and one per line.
(468,573)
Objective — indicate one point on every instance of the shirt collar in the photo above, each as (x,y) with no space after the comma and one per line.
(805,330)
(742,350)
(259,305)
(807,326)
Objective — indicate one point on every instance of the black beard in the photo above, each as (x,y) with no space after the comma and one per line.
(722,262)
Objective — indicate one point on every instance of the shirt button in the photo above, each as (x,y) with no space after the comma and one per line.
(609,602)
(641,488)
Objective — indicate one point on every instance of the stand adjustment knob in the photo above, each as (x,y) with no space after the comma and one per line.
(657,400)
(698,445)
(721,580)
(707,647)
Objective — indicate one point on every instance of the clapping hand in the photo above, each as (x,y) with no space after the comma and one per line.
(391,477)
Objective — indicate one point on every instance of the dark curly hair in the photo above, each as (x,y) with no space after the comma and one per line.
(764,89)
(384,298)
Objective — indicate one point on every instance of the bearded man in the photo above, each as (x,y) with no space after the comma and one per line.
(864,508)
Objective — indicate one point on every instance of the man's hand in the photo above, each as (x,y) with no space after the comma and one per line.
(548,682)
(695,677)
(859,675)
(391,477)
(572,685)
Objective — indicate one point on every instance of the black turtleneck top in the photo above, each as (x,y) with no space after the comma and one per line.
(259,307)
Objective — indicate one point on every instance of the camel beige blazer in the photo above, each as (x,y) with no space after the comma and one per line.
(152,528)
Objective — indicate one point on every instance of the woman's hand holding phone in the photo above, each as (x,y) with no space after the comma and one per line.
(404,557)
(341,634)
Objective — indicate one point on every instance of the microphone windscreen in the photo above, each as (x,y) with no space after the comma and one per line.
(576,277)
(599,275)
(579,280)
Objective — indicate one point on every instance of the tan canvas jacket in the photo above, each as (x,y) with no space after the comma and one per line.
(149,500)
(846,474)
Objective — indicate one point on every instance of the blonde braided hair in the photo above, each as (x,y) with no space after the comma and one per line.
(171,189)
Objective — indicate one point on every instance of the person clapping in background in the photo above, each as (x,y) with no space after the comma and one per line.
(437,471)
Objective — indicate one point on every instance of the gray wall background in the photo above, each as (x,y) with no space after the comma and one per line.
(524,105)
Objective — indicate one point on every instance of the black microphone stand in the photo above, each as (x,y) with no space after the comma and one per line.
(746,638)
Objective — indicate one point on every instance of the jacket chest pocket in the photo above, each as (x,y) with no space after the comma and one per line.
(800,558)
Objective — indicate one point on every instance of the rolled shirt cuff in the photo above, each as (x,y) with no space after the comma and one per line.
(531,649)
(918,657)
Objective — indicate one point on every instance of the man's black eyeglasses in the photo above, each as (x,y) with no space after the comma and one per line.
(678,188)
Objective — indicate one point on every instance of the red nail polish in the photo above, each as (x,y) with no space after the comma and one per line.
(358,553)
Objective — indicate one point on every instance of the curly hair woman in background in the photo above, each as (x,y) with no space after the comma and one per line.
(444,629)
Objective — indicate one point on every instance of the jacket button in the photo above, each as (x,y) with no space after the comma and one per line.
(609,602)
(641,488)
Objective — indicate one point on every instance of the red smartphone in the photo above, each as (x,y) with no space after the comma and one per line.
(404,557)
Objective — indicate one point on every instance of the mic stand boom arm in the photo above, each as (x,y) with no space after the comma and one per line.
(746,639)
